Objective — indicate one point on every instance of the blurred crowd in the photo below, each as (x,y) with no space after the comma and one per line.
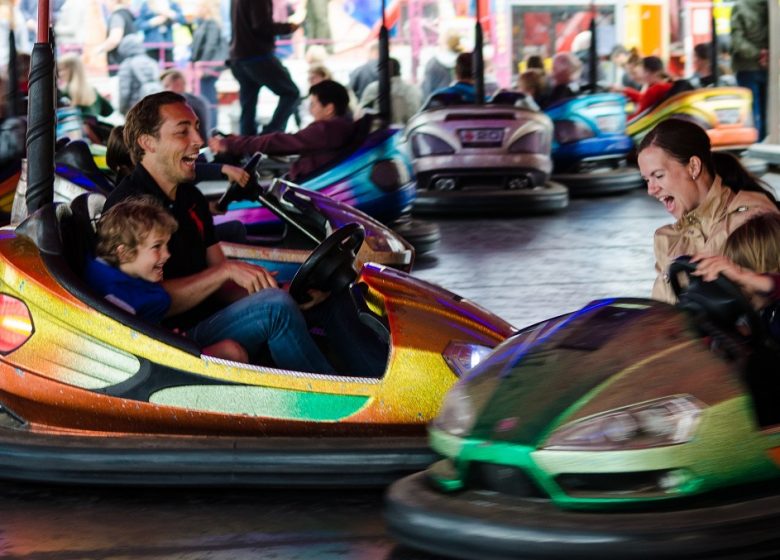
(131,48)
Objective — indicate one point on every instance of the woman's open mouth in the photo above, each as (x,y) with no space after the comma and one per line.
(668,202)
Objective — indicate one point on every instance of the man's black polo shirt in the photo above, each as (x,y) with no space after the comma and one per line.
(195,234)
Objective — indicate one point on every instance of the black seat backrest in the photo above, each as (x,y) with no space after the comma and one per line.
(79,230)
(77,158)
(679,86)
(76,154)
(443,99)
(506,97)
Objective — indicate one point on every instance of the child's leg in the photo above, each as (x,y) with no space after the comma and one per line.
(227,350)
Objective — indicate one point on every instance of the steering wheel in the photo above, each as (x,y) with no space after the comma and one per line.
(236,191)
(330,266)
(721,300)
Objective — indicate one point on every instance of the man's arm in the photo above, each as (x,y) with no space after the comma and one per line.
(316,137)
(189,291)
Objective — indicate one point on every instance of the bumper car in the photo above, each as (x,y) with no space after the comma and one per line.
(491,158)
(724,112)
(302,219)
(372,175)
(590,145)
(92,394)
(582,437)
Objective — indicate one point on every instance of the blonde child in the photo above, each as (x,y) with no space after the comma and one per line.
(131,251)
(751,260)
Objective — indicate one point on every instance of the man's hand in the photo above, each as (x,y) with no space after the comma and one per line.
(236,174)
(250,277)
(217,145)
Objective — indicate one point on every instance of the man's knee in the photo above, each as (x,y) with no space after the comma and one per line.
(275,299)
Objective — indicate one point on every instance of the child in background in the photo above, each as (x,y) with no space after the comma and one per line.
(131,250)
(752,261)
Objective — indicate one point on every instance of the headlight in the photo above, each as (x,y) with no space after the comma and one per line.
(462,356)
(429,145)
(656,423)
(534,143)
(457,414)
(571,131)
(380,242)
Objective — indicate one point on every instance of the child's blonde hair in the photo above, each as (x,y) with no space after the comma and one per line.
(128,224)
(756,244)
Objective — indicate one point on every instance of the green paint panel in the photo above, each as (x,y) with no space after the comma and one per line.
(262,401)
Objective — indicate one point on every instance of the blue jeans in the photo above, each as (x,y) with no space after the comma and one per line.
(269,317)
(756,81)
(254,74)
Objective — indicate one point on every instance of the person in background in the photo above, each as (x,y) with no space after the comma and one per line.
(156,19)
(405,98)
(11,18)
(74,85)
(254,64)
(702,69)
(121,23)
(656,85)
(709,194)
(464,80)
(750,54)
(366,73)
(439,71)
(533,84)
(633,70)
(566,70)
(318,144)
(131,252)
(317,23)
(173,80)
(211,50)
(138,73)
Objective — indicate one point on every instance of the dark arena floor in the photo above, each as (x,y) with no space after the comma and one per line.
(525,269)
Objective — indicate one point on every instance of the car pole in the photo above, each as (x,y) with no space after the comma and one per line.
(478,70)
(41,117)
(385,107)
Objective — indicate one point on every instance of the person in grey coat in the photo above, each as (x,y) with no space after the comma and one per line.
(750,54)
(138,73)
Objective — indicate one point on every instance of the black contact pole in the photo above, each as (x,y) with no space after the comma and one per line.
(41,117)
(714,51)
(12,108)
(478,61)
(385,110)
(593,56)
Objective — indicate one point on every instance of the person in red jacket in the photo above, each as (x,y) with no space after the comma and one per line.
(317,145)
(656,85)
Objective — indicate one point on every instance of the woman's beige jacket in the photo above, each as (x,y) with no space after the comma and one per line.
(704,230)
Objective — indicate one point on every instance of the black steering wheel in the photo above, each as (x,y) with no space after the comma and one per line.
(330,267)
(236,191)
(721,300)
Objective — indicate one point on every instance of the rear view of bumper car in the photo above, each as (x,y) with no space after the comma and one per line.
(590,145)
(483,159)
